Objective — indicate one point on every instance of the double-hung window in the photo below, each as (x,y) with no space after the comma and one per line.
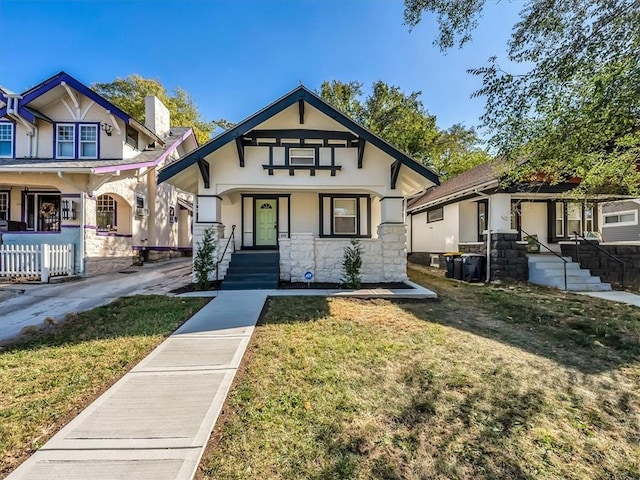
(6,140)
(344,216)
(88,141)
(65,141)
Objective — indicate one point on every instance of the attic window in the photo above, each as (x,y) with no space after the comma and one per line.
(132,137)
(302,156)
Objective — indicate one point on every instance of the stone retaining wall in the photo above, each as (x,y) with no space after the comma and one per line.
(475,247)
(605,267)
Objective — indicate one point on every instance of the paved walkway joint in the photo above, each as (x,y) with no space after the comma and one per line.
(155,422)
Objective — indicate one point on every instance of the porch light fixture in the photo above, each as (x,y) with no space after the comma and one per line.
(107,128)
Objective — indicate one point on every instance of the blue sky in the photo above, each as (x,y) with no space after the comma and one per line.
(234,57)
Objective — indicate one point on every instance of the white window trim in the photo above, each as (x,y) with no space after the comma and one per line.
(355,216)
(13,139)
(311,155)
(620,224)
(80,141)
(72,125)
(6,211)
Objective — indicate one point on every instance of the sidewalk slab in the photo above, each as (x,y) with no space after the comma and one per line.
(616,296)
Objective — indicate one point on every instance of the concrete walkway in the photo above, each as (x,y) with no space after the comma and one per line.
(155,422)
(616,296)
(30,304)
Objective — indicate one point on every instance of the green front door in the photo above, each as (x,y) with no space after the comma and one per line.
(266,223)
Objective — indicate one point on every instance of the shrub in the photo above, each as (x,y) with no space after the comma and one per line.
(204,264)
(352,263)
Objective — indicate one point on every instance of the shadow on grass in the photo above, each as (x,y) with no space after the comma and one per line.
(584,333)
(284,310)
(141,315)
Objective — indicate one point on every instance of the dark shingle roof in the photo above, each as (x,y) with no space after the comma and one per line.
(483,173)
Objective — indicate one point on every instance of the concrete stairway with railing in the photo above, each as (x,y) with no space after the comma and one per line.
(548,270)
(252,270)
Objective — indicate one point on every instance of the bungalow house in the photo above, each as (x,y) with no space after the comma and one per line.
(475,212)
(77,170)
(300,179)
(620,221)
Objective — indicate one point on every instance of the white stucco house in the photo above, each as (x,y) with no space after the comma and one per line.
(76,170)
(301,178)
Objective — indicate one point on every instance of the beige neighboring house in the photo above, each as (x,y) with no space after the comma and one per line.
(76,170)
(301,179)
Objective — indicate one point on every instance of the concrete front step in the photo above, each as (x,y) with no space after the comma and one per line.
(244,269)
(549,270)
(576,286)
(238,277)
(249,285)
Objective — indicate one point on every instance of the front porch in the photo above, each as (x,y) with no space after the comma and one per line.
(310,230)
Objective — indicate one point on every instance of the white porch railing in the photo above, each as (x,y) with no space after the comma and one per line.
(32,261)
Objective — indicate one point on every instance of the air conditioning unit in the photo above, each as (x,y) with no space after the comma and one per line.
(142,212)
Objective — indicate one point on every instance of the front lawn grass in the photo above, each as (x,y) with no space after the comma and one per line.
(50,378)
(487,382)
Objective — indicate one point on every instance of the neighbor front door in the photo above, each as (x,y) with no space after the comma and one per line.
(266,222)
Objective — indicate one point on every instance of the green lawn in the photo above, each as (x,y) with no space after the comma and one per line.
(46,381)
(484,383)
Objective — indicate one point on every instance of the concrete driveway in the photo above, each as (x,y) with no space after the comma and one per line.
(30,304)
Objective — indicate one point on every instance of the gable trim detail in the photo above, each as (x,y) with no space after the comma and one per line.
(299,94)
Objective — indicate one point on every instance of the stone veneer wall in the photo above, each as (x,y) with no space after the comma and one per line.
(107,253)
(508,257)
(474,247)
(384,259)
(606,268)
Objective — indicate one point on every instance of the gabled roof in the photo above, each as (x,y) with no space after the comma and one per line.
(485,173)
(56,80)
(150,157)
(300,93)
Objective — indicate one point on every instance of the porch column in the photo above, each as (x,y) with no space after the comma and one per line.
(392,232)
(391,210)
(507,258)
(209,209)
(500,213)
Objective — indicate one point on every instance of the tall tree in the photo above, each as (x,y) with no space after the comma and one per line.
(573,108)
(402,120)
(128,94)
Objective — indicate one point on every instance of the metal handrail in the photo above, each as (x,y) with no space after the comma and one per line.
(600,249)
(559,256)
(231,237)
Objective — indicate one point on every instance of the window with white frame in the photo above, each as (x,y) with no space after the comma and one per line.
(6,139)
(620,219)
(132,137)
(344,216)
(559,206)
(88,141)
(65,141)
(302,156)
(4,205)
(106,213)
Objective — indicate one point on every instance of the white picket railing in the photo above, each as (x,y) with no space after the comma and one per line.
(32,261)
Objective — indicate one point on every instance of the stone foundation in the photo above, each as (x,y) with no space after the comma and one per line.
(98,265)
(508,258)
(605,267)
(384,259)
(473,247)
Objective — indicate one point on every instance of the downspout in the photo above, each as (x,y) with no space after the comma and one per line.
(82,234)
(488,197)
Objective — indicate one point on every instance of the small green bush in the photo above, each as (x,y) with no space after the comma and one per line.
(204,263)
(352,263)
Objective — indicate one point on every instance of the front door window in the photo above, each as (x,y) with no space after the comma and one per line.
(266,222)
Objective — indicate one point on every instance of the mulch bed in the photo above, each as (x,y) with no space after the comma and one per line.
(213,286)
(340,286)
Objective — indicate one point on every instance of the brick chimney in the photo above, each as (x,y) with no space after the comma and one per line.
(156,116)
